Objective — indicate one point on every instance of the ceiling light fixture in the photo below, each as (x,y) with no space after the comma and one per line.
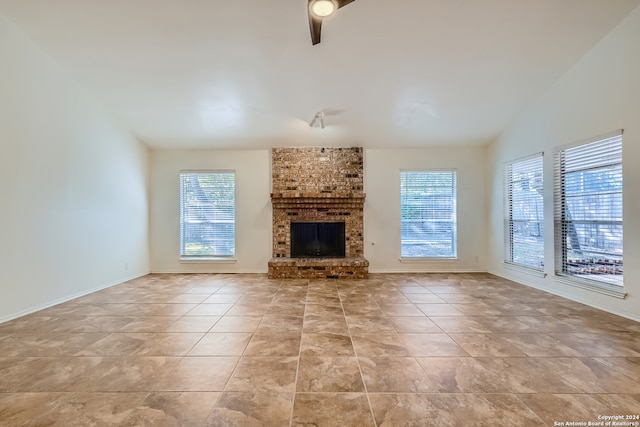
(323,8)
(318,10)
(318,118)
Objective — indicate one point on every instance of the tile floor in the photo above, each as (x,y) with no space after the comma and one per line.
(393,350)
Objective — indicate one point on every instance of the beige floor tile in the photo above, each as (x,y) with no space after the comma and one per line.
(172,409)
(401,310)
(279,323)
(223,299)
(487,345)
(496,410)
(362,309)
(461,375)
(629,366)
(446,310)
(47,344)
(416,325)
(323,310)
(526,375)
(506,324)
(432,345)
(247,309)
(325,324)
(425,410)
(210,309)
(236,324)
(274,344)
(330,409)
(189,298)
(460,324)
(329,374)
(142,344)
(23,409)
(396,375)
(221,344)
(591,376)
(548,324)
(382,344)
(91,409)
(192,324)
(599,345)
(269,374)
(365,324)
(555,409)
(425,298)
(251,409)
(324,344)
(198,374)
(539,345)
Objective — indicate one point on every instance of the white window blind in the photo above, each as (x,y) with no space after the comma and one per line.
(588,211)
(524,213)
(207,214)
(428,214)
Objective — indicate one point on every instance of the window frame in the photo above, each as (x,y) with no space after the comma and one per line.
(560,223)
(454,221)
(508,212)
(211,256)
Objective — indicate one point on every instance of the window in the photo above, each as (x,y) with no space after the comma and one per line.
(207,214)
(524,213)
(428,214)
(588,211)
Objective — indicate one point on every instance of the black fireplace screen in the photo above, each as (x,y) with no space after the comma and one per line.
(317,239)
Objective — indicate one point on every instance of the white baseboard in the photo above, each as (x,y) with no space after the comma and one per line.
(438,271)
(187,271)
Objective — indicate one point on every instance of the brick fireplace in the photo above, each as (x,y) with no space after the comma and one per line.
(318,185)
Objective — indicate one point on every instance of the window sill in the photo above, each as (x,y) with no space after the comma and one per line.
(429,259)
(528,270)
(207,260)
(602,288)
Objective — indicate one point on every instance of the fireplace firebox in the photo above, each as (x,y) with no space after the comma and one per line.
(317,239)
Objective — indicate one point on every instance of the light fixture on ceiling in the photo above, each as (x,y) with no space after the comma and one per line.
(323,8)
(317,11)
(318,119)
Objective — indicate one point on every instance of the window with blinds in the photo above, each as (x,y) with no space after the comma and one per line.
(588,211)
(428,214)
(524,213)
(207,214)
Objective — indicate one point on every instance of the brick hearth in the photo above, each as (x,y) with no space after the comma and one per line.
(318,185)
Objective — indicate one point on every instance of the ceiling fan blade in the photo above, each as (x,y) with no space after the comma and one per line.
(333,111)
(315,25)
(343,2)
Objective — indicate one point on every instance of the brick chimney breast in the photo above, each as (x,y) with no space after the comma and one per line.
(318,184)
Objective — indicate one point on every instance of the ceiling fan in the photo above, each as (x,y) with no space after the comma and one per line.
(318,118)
(320,9)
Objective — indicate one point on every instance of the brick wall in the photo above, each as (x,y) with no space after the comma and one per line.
(317,172)
(318,185)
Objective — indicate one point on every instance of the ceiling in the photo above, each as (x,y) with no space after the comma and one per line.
(244,74)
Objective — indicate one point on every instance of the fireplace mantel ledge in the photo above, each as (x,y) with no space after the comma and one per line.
(314,201)
(294,196)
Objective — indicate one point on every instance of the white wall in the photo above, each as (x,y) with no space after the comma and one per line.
(382,206)
(253,208)
(74,214)
(600,94)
